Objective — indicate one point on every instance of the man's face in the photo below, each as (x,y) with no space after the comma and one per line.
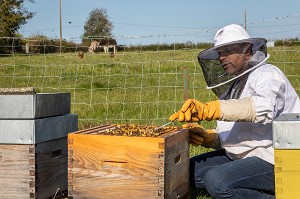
(234,57)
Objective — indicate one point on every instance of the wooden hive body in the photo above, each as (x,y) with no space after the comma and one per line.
(34,170)
(287,173)
(108,166)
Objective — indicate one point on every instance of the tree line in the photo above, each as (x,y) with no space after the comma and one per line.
(13,15)
(40,44)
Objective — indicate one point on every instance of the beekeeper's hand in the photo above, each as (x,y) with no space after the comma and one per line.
(238,110)
(199,136)
(194,111)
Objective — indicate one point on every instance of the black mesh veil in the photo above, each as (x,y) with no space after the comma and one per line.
(215,76)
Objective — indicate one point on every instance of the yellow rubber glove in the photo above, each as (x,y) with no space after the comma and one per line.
(194,111)
(199,136)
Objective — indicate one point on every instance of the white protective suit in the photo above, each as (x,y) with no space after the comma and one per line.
(272,95)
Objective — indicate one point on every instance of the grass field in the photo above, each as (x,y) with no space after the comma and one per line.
(133,87)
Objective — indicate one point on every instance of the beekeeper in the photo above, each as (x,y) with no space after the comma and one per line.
(252,93)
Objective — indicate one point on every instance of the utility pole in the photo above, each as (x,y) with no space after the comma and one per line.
(60,27)
(245,20)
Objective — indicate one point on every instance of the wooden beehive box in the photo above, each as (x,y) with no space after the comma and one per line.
(34,171)
(34,157)
(111,166)
(286,139)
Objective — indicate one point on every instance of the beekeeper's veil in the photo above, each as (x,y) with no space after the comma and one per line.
(225,39)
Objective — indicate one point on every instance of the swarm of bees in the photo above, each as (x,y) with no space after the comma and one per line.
(137,130)
(17,91)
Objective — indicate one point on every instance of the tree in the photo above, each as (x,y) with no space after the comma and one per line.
(13,15)
(97,24)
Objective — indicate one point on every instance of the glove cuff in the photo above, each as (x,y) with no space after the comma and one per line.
(238,110)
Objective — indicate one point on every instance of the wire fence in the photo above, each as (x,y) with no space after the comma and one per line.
(136,84)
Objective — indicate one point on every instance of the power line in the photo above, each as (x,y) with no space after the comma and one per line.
(271,26)
(196,31)
(274,18)
(152,26)
(186,27)
(180,27)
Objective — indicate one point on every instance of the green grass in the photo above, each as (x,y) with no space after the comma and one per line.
(133,87)
(142,88)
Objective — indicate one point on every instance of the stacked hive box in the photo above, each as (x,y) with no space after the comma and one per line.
(33,144)
(287,152)
(110,166)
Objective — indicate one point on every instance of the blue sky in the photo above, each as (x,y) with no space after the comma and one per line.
(173,20)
